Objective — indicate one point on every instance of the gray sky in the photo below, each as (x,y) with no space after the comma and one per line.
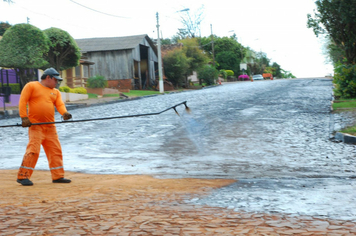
(276,27)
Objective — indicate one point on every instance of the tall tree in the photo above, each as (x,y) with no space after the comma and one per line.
(166,41)
(191,23)
(63,52)
(22,47)
(338,19)
(192,50)
(332,52)
(277,73)
(228,51)
(196,56)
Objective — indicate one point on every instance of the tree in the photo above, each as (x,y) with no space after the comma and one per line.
(166,41)
(259,63)
(277,73)
(229,52)
(338,19)
(287,74)
(191,23)
(332,51)
(63,52)
(228,61)
(194,53)
(22,47)
(176,65)
(3,27)
(196,57)
(269,70)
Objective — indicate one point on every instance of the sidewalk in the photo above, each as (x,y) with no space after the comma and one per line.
(137,205)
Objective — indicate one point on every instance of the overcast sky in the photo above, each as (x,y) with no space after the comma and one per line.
(276,27)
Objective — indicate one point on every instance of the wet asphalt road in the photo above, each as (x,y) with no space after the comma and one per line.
(272,136)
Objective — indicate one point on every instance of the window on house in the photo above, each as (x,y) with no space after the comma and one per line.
(77,71)
(86,71)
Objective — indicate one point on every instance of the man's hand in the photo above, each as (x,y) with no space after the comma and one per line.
(26,122)
(67,116)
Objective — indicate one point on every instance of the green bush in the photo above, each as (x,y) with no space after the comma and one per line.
(79,90)
(176,65)
(15,88)
(65,89)
(229,73)
(223,74)
(208,74)
(97,81)
(345,80)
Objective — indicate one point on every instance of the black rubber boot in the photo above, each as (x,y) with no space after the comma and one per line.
(62,181)
(25,182)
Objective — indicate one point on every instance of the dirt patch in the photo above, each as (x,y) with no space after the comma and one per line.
(87,185)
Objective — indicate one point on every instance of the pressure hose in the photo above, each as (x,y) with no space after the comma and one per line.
(107,118)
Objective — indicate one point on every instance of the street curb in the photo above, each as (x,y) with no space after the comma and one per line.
(346,138)
(9,114)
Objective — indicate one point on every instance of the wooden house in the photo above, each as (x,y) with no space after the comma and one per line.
(129,62)
(77,76)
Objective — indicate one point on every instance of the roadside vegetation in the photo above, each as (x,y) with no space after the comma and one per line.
(25,47)
(342,105)
(335,22)
(224,60)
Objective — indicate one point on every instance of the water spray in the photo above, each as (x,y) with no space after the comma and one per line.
(106,118)
(187,109)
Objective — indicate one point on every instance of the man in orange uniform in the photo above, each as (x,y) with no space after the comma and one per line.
(41,97)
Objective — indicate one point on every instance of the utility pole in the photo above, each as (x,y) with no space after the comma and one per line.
(160,74)
(212,43)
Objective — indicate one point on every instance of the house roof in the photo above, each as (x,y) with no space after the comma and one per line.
(112,43)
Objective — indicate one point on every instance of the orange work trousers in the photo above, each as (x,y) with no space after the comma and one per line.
(47,137)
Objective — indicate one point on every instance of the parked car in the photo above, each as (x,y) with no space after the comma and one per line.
(257,77)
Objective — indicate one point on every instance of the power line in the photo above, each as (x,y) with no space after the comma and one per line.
(100,11)
(56,19)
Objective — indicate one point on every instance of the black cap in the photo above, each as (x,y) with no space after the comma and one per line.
(52,72)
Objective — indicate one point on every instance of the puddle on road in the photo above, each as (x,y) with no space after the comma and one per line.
(322,197)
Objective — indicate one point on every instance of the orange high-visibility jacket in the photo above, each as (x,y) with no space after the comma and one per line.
(41,101)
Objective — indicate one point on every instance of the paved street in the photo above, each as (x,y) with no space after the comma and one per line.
(271,136)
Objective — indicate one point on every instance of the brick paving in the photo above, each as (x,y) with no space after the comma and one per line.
(137,205)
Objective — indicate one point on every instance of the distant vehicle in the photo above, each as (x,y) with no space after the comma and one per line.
(267,76)
(257,77)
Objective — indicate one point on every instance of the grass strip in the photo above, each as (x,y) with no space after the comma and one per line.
(343,104)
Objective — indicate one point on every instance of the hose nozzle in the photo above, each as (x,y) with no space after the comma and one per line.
(187,109)
(176,111)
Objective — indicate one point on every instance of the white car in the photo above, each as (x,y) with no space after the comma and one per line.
(257,77)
